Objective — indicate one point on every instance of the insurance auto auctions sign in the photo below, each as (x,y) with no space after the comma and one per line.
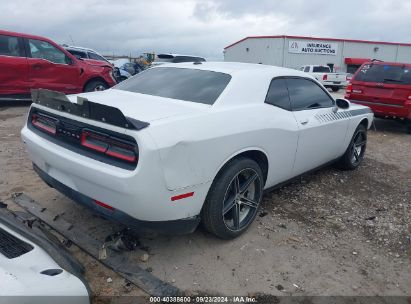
(312,47)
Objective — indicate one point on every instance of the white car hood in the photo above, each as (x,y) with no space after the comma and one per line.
(22,281)
(141,106)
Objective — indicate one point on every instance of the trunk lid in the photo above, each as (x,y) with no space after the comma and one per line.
(384,93)
(382,83)
(141,106)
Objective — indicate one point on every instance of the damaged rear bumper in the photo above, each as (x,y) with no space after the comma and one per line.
(181,226)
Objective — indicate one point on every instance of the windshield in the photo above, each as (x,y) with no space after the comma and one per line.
(178,83)
(321,69)
(382,73)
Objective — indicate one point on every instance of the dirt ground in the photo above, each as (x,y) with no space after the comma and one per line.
(328,233)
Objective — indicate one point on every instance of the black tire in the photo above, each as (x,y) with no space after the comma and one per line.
(95,85)
(335,89)
(242,205)
(354,154)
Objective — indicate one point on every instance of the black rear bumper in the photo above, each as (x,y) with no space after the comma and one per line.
(182,226)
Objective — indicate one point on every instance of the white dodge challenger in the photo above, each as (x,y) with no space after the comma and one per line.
(187,143)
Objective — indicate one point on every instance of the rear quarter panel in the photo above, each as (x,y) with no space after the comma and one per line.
(194,149)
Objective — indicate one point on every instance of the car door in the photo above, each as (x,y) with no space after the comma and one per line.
(13,66)
(321,130)
(50,68)
(282,140)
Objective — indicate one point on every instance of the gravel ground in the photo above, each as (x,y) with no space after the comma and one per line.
(328,233)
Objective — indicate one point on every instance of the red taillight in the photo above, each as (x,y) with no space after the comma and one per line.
(108,145)
(122,153)
(104,205)
(181,196)
(44,123)
(93,141)
(325,77)
(349,88)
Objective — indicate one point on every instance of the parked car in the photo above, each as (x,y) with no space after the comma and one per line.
(385,87)
(84,53)
(334,81)
(180,143)
(175,58)
(127,68)
(30,62)
(29,272)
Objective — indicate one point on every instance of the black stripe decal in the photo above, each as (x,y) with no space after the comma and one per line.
(360,111)
(326,117)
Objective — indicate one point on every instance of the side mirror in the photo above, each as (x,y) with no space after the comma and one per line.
(342,103)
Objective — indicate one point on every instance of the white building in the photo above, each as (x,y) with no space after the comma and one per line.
(342,55)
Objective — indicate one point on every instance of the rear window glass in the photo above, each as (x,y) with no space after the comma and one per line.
(382,73)
(178,83)
(321,69)
(179,59)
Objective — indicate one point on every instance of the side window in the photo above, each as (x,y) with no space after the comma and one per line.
(305,95)
(95,56)
(78,54)
(44,50)
(277,94)
(307,69)
(9,46)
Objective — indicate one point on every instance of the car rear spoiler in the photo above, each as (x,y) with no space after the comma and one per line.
(85,108)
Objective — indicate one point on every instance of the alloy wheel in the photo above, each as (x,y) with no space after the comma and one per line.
(99,88)
(358,147)
(242,199)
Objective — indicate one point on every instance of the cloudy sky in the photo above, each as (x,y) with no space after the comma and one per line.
(201,27)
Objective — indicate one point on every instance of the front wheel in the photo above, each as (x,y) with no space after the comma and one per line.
(354,154)
(234,198)
(95,85)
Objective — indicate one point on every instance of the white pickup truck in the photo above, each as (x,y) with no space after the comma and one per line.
(323,74)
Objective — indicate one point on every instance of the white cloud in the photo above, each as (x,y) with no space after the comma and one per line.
(201,27)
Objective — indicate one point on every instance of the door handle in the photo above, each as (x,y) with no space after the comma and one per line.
(304,121)
(37,66)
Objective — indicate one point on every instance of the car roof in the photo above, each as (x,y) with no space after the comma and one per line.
(10,33)
(377,62)
(177,55)
(237,67)
(69,47)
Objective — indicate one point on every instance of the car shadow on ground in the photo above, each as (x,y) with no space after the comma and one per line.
(4,105)
(389,126)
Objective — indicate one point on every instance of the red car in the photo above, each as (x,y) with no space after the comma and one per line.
(31,62)
(385,87)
